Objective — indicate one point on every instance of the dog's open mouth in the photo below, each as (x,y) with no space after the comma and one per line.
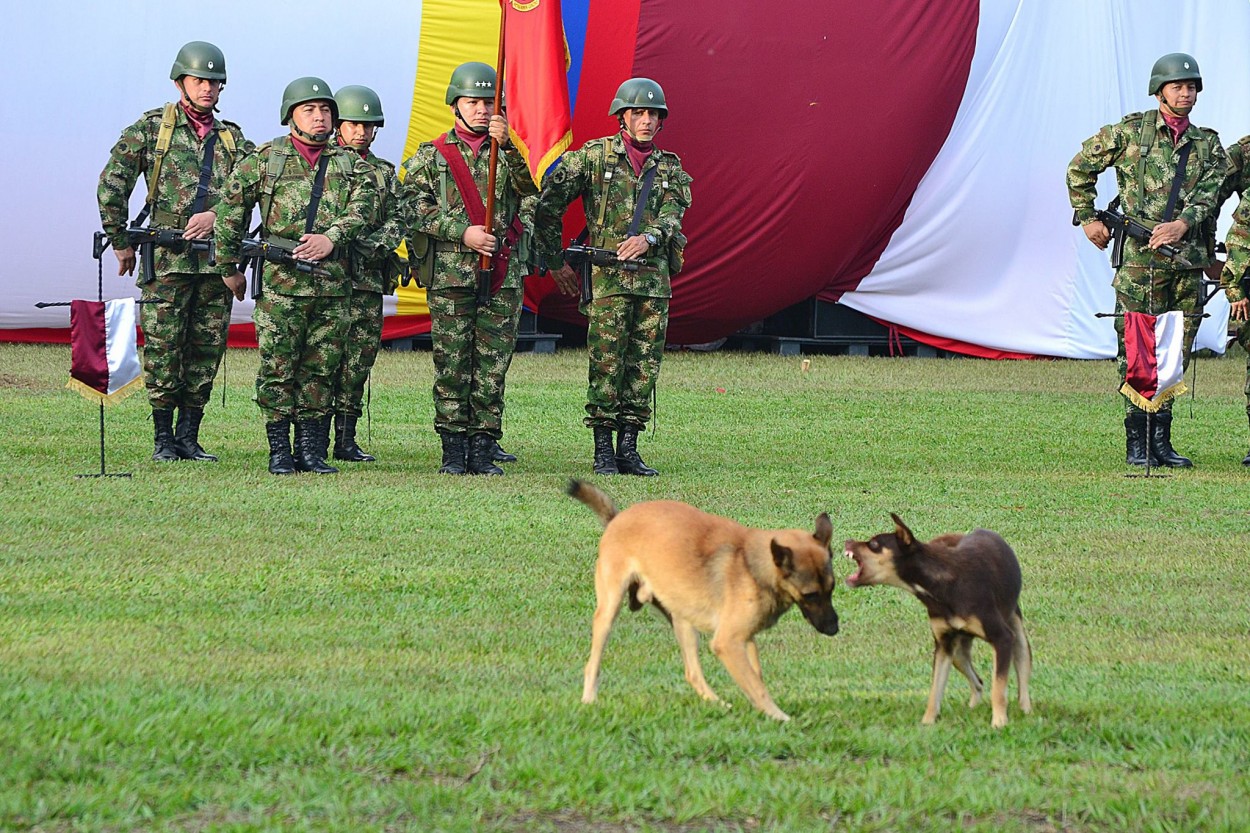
(853,579)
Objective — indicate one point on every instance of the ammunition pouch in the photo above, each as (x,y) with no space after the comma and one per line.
(421,250)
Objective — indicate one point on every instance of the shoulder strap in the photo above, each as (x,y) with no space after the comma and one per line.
(465,184)
(206,174)
(278,152)
(227,141)
(648,179)
(1144,143)
(609,160)
(319,187)
(1177,181)
(165,135)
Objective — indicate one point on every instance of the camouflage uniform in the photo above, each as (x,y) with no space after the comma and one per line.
(1147,282)
(473,344)
(372,278)
(1237,181)
(301,319)
(628,312)
(186,313)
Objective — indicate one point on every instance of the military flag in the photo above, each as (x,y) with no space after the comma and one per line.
(1154,349)
(104,361)
(536,85)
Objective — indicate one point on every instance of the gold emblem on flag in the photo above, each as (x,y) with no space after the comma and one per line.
(524,7)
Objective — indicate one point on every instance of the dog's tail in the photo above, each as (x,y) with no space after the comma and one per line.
(594,497)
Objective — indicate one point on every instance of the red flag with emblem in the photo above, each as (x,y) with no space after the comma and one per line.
(536,85)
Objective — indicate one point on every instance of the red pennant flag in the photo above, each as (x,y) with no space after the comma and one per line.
(104,361)
(536,84)
(1154,351)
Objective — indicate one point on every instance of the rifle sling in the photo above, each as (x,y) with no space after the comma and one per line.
(1177,181)
(206,173)
(476,209)
(319,187)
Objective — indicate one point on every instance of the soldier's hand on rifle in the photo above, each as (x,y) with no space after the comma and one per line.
(498,130)
(313,247)
(125,260)
(236,283)
(480,240)
(199,226)
(633,247)
(566,280)
(1240,310)
(1097,233)
(1213,269)
(1167,233)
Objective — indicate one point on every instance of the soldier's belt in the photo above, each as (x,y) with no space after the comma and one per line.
(169,219)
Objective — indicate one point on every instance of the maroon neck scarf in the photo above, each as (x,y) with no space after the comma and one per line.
(202,123)
(473,140)
(310,153)
(1177,125)
(637,152)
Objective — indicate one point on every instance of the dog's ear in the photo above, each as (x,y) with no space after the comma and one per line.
(824,529)
(905,539)
(783,557)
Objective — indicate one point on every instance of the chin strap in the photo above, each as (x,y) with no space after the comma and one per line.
(467,126)
(312,138)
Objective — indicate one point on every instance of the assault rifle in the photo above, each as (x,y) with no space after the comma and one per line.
(580,258)
(145,239)
(274,250)
(1122,226)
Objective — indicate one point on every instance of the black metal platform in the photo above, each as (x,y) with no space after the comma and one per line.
(815,326)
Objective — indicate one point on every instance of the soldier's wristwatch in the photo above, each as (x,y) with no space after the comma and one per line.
(650,239)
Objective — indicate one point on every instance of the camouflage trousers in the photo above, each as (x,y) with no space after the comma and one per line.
(1243,338)
(625,341)
(473,349)
(301,342)
(1155,291)
(360,351)
(185,318)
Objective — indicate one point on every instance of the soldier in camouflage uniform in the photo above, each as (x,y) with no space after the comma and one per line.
(374,269)
(186,309)
(1145,150)
(1233,275)
(301,315)
(627,310)
(473,343)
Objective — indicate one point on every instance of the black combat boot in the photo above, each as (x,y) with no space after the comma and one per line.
(501,456)
(345,447)
(187,435)
(453,453)
(605,455)
(308,447)
(1161,442)
(163,435)
(481,450)
(627,459)
(1136,444)
(323,436)
(280,459)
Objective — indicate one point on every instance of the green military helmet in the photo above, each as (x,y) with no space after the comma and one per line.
(1175,66)
(199,59)
(359,104)
(308,88)
(471,80)
(641,94)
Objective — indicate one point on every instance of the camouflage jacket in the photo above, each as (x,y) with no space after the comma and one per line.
(1119,145)
(433,206)
(133,156)
(374,261)
(1236,181)
(346,207)
(600,173)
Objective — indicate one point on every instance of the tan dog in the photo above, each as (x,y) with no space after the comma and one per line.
(970,585)
(706,574)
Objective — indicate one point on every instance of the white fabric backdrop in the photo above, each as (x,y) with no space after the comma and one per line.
(985,255)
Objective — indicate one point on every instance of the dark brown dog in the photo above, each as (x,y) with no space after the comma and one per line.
(706,574)
(970,584)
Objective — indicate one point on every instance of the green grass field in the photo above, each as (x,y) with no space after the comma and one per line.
(208,647)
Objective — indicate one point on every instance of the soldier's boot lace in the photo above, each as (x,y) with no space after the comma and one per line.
(627,459)
(345,447)
(605,454)
(481,450)
(187,435)
(1161,442)
(309,445)
(280,459)
(453,453)
(163,435)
